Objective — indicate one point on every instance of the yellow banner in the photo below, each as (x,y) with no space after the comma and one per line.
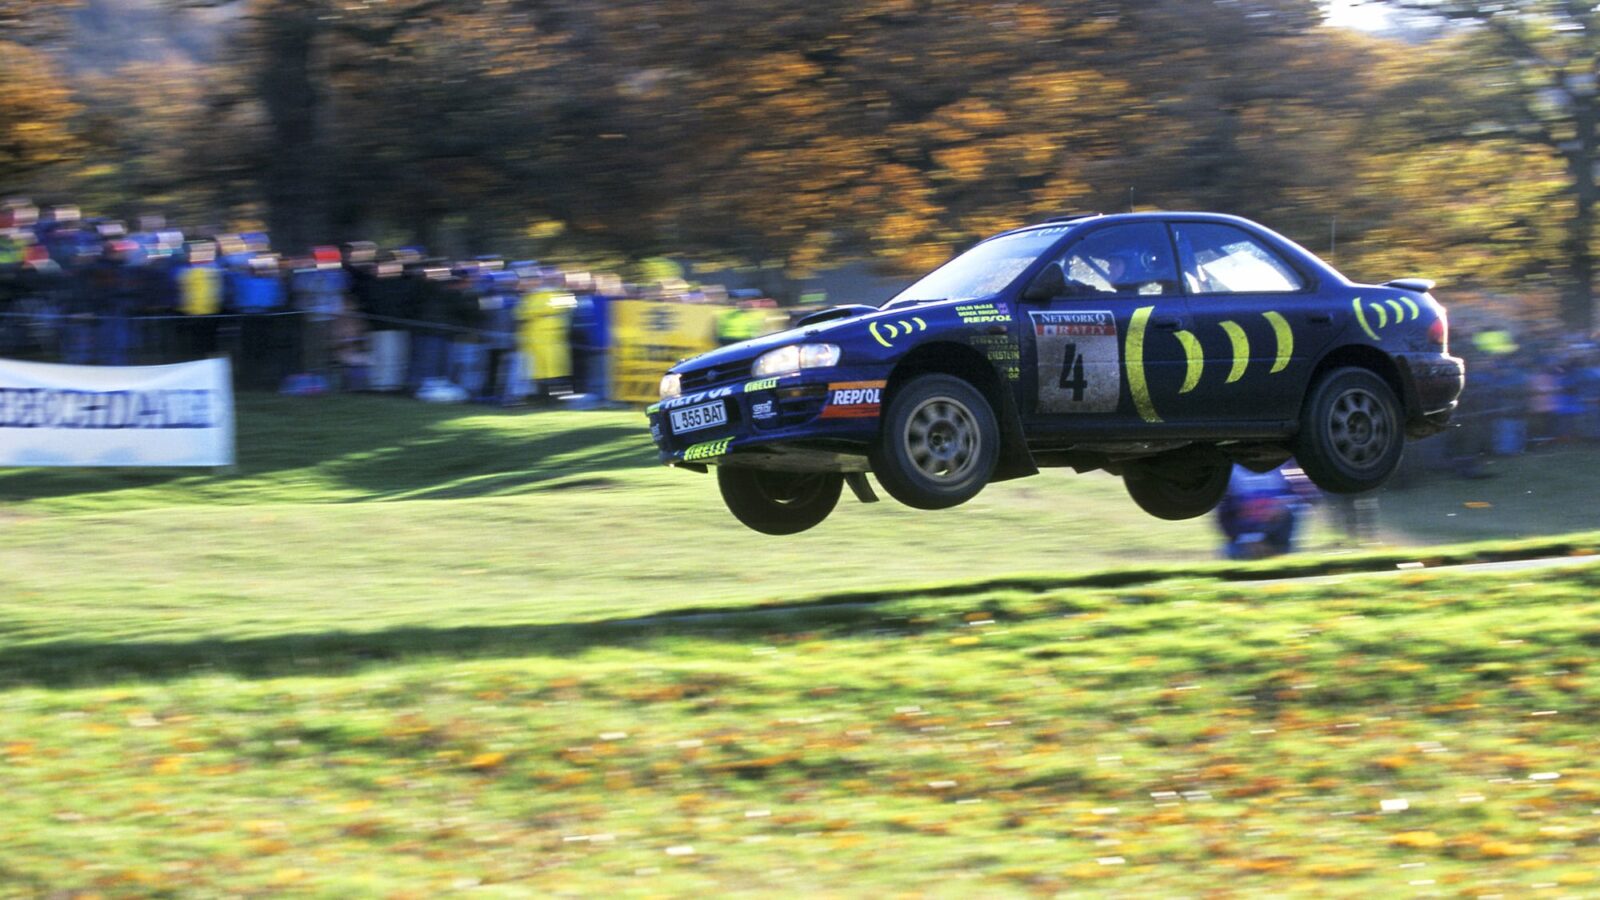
(648,336)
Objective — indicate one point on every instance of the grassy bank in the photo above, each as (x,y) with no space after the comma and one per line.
(365,514)
(399,652)
(1433,733)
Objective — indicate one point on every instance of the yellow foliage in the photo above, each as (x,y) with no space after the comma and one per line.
(1416,840)
(485,761)
(1492,849)
(35,119)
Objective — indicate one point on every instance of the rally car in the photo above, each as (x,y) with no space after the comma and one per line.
(1161,347)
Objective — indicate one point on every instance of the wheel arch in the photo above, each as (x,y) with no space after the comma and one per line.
(1364,356)
(964,362)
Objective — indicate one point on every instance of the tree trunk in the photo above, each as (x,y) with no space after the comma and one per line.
(1578,310)
(294,175)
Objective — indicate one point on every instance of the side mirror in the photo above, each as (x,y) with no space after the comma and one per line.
(1048,285)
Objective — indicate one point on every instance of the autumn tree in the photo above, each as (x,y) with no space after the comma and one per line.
(36,117)
(1543,59)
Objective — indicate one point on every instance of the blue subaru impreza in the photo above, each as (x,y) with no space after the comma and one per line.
(1161,347)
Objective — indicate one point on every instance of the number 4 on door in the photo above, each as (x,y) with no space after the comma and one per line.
(1072,373)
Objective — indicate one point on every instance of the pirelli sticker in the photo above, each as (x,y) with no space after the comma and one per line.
(854,400)
(1080,360)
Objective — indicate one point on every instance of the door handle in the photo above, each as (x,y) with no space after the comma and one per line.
(1320,318)
(1166,323)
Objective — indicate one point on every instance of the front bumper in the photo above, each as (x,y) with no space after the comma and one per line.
(821,420)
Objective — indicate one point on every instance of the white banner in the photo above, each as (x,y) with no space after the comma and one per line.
(178,415)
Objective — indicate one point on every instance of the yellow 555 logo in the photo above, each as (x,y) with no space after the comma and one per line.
(1381,313)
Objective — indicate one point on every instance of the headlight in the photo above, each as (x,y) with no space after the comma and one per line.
(795,357)
(671,385)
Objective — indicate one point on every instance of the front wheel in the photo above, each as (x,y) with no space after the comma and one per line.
(938,443)
(779,502)
(1351,432)
(1177,493)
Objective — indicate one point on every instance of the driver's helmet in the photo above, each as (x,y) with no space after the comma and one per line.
(1138,266)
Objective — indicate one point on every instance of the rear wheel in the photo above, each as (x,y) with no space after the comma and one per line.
(779,502)
(1351,432)
(1172,492)
(938,444)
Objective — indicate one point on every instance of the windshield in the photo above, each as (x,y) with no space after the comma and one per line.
(984,270)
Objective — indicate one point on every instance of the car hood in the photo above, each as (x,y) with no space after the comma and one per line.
(821,332)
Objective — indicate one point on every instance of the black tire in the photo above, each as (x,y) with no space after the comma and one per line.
(938,443)
(779,502)
(1352,432)
(1177,493)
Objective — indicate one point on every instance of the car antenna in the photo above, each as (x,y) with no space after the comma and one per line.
(1130,198)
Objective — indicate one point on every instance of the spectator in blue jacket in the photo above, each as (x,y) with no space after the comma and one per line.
(1261,511)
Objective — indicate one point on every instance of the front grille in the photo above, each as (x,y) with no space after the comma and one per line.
(704,378)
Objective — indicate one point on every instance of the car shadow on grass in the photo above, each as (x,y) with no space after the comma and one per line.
(838,614)
(61,664)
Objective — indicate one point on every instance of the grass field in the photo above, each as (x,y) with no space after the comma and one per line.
(395,653)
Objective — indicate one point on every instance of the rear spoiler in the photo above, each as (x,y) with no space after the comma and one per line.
(837,312)
(1420,285)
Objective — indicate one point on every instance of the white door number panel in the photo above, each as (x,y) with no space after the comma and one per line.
(694,418)
(1080,360)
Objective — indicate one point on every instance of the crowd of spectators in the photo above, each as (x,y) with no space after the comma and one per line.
(92,291)
(1526,390)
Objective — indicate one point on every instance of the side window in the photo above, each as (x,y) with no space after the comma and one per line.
(1122,259)
(1221,259)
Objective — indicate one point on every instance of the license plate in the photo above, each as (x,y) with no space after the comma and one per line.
(694,418)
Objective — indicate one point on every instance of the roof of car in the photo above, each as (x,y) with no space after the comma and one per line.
(1065,223)
(1162,215)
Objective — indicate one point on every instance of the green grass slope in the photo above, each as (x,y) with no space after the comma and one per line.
(360,514)
(1416,734)
(399,652)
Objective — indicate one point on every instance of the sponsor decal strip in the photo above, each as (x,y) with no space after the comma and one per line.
(1399,307)
(1194,361)
(1285,335)
(853,400)
(707,450)
(1361,317)
(896,329)
(1241,349)
(1135,362)
(980,313)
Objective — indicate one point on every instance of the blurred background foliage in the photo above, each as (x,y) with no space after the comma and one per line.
(795,135)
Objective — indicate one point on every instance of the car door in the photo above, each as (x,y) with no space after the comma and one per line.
(1257,321)
(1090,361)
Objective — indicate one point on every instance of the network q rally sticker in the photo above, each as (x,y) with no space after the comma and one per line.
(854,400)
(1080,360)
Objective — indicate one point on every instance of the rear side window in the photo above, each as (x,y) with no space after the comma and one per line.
(1222,259)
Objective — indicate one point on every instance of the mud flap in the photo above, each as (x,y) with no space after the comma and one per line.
(860,487)
(1016,460)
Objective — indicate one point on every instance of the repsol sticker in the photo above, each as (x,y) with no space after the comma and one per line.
(854,400)
(1080,360)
